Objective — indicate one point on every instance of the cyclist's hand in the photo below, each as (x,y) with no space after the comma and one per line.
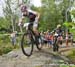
(20,21)
(19,24)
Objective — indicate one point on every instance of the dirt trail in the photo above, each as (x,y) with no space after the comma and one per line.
(39,59)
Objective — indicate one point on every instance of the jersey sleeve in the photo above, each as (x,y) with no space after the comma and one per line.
(32,11)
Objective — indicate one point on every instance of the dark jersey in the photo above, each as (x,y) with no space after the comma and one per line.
(59,31)
(31,16)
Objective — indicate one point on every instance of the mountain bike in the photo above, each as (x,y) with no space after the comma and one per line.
(55,43)
(29,38)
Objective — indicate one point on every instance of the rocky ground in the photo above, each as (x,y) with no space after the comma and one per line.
(43,58)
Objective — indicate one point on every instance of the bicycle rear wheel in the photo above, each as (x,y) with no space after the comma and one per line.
(27,44)
(40,43)
(55,45)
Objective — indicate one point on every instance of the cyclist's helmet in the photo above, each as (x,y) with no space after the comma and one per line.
(58,26)
(23,8)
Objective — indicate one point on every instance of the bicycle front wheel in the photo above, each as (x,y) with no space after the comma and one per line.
(27,44)
(55,45)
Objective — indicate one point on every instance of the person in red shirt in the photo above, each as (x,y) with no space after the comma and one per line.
(50,39)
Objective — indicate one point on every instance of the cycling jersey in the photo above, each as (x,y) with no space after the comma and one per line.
(59,31)
(31,15)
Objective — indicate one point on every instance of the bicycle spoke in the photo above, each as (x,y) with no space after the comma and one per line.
(27,45)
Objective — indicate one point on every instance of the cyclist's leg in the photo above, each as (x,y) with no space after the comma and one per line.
(30,26)
(60,41)
(30,30)
(35,28)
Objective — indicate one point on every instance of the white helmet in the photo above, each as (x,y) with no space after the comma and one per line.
(58,25)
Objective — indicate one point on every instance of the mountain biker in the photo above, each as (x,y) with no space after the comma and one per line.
(32,16)
(57,39)
(59,32)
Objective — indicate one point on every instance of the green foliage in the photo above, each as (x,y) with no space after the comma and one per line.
(64,65)
(6,45)
(5,24)
(68,24)
(71,55)
(5,48)
(50,15)
(73,12)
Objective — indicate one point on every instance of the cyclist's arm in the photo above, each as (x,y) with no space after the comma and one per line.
(36,13)
(21,20)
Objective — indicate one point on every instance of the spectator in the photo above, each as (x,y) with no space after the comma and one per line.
(13,38)
(69,38)
(44,38)
(50,40)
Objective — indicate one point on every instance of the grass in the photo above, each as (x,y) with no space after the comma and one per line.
(6,45)
(71,55)
(5,48)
